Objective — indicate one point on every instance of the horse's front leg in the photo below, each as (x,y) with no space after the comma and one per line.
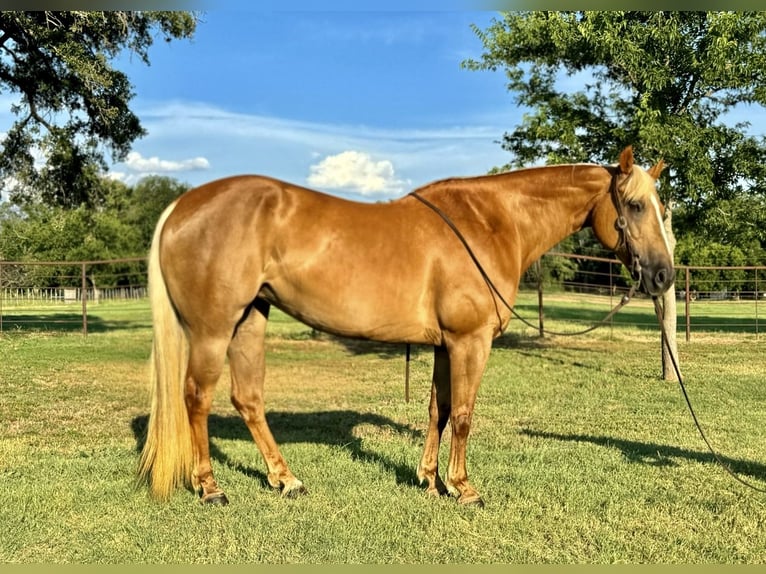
(438,415)
(468,356)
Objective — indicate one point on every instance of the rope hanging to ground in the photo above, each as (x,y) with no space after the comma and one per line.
(660,316)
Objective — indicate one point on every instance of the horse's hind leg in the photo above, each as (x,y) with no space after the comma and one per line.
(248,366)
(439,413)
(206,358)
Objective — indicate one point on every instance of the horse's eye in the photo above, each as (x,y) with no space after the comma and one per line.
(636,206)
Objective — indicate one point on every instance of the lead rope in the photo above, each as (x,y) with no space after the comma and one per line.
(624,300)
(660,315)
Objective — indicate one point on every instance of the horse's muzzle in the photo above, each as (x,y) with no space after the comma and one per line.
(661,281)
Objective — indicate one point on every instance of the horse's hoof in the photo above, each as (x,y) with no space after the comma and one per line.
(215,499)
(435,486)
(295,492)
(434,492)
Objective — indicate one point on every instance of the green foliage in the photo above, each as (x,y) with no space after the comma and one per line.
(590,272)
(42,233)
(141,205)
(72,103)
(699,251)
(122,229)
(552,270)
(737,220)
(661,81)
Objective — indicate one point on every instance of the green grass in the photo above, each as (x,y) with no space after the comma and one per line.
(581,453)
(67,317)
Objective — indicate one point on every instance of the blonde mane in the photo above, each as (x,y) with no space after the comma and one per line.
(640,185)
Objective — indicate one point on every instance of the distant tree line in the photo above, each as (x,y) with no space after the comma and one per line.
(121,226)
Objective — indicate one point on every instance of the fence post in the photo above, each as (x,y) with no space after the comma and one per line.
(611,299)
(84,288)
(756,306)
(687,297)
(407,373)
(540,313)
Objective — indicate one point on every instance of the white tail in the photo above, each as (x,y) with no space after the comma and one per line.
(167,460)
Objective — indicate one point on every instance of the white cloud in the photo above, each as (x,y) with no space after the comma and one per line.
(116,175)
(129,179)
(357,172)
(136,162)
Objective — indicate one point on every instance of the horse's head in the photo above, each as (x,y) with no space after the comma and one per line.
(629,220)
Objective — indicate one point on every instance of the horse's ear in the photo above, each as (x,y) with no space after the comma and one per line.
(656,169)
(626,160)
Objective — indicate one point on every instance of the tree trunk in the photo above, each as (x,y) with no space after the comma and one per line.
(669,318)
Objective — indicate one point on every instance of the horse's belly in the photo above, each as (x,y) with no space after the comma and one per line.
(369,313)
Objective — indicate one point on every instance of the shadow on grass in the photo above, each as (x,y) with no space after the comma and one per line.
(68,323)
(578,317)
(398,350)
(654,454)
(332,428)
(575,319)
(365,347)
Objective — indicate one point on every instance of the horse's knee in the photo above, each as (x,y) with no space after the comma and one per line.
(196,398)
(461,423)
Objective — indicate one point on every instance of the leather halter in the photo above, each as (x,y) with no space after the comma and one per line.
(621,224)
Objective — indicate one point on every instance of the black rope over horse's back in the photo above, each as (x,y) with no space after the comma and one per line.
(624,300)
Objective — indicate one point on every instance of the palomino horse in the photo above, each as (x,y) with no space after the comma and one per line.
(223,253)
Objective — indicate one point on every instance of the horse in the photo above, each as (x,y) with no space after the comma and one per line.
(428,268)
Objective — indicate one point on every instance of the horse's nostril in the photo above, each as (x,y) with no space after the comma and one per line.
(663,278)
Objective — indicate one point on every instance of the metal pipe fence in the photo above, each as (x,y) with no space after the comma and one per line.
(66,295)
(56,295)
(709,298)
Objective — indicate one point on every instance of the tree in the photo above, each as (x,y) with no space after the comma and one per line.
(72,103)
(142,205)
(120,229)
(51,233)
(661,81)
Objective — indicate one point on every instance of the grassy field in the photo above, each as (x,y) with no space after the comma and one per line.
(581,453)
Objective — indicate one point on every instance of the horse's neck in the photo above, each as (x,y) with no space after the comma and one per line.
(542,206)
(533,208)
(558,202)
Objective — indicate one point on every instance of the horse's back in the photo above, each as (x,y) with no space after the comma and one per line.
(342,266)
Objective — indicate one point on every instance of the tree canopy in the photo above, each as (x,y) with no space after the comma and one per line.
(665,82)
(73,105)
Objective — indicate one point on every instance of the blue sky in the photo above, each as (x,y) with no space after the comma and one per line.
(366,105)
(363,104)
